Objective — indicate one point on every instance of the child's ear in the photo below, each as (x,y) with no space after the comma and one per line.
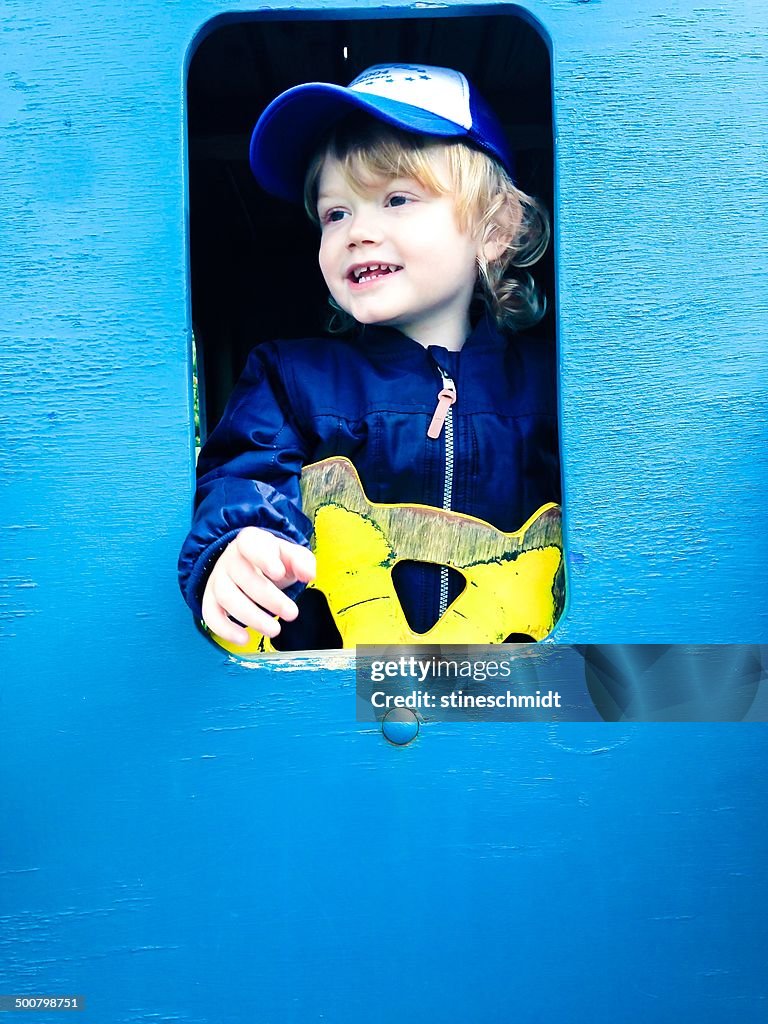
(494,244)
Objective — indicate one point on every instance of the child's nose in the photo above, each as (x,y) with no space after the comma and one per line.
(364,229)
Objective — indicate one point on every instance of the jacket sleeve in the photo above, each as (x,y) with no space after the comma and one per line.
(247,474)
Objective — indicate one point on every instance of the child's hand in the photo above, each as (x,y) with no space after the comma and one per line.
(247,583)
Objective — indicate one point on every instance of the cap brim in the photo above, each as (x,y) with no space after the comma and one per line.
(293,126)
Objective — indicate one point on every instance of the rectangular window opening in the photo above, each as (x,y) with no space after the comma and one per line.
(253,259)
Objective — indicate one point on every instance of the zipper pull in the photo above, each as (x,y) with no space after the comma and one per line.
(445,400)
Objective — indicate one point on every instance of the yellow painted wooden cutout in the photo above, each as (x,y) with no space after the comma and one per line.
(514,581)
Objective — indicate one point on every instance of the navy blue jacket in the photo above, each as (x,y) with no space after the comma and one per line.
(371,398)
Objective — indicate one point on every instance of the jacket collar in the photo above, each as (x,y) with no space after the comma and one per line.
(484,337)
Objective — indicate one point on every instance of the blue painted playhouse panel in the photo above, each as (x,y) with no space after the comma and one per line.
(187,839)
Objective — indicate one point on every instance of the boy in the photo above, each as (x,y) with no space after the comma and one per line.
(408,176)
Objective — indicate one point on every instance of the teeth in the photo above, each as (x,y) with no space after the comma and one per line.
(359,272)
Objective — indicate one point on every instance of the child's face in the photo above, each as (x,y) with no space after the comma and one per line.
(396,256)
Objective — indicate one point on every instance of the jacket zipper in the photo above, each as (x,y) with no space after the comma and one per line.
(443,417)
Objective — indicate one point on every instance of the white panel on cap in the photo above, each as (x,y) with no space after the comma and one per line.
(439,90)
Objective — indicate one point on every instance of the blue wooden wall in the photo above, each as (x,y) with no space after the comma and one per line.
(186,839)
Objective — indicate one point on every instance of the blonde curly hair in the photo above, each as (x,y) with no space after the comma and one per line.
(488,204)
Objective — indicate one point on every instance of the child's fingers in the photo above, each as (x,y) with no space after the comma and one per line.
(247,581)
(262,550)
(281,561)
(255,585)
(240,606)
(299,563)
(217,620)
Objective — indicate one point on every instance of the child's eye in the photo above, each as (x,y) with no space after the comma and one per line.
(398,199)
(332,216)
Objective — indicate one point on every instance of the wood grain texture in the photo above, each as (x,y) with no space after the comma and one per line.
(190,840)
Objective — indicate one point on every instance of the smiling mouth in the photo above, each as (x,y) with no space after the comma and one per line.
(371,271)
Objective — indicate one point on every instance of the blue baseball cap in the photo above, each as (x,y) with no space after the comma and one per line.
(415,97)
